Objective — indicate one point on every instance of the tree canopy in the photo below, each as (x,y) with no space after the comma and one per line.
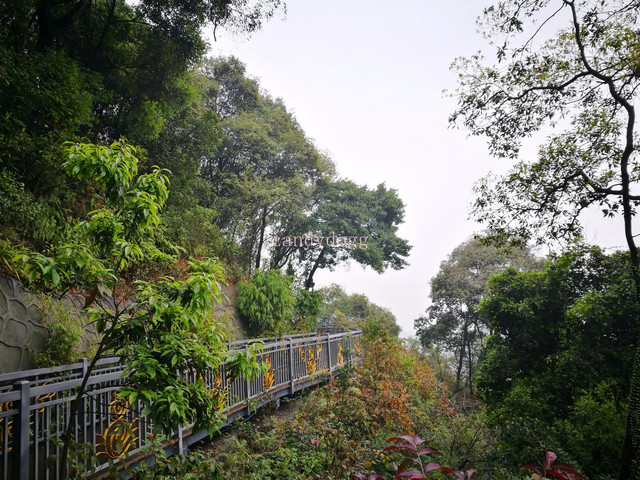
(559,358)
(345,222)
(340,309)
(579,83)
(453,323)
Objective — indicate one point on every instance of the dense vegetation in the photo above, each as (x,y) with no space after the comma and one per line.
(242,171)
(139,173)
(142,175)
(554,367)
(453,323)
(558,364)
(341,429)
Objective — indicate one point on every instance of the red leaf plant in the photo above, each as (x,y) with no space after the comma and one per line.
(467,475)
(416,447)
(558,470)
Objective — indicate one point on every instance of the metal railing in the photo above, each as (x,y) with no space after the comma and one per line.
(35,404)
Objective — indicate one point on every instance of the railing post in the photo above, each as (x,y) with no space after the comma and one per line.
(248,384)
(329,352)
(20,467)
(82,410)
(291,363)
(352,348)
(179,427)
(85,365)
(181,450)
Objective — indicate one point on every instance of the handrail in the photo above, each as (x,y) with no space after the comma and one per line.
(34,404)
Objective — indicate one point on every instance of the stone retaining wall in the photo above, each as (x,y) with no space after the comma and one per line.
(21,326)
(23,318)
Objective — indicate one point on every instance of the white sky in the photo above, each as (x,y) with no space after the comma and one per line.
(365,81)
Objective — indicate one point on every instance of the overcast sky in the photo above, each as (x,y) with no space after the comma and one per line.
(365,80)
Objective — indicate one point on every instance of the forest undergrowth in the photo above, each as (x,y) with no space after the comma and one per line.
(342,428)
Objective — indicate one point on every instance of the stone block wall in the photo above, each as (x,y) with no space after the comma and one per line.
(21,326)
(23,317)
(227,314)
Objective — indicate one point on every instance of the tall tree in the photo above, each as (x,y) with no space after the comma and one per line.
(43,24)
(343,310)
(266,168)
(346,222)
(140,50)
(559,358)
(580,80)
(102,70)
(452,322)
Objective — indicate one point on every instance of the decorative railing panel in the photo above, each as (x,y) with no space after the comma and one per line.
(35,404)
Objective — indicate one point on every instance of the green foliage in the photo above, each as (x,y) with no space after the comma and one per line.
(164,335)
(265,170)
(367,218)
(532,85)
(354,311)
(571,71)
(64,335)
(453,323)
(24,217)
(595,419)
(81,457)
(45,100)
(96,72)
(8,252)
(99,71)
(267,302)
(160,329)
(245,362)
(118,234)
(156,466)
(561,345)
(308,306)
(342,428)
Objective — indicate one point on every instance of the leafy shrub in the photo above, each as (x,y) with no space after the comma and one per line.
(8,251)
(342,427)
(63,344)
(416,449)
(267,302)
(415,468)
(155,465)
(37,220)
(307,309)
(596,419)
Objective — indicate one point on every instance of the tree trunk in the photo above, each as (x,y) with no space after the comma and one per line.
(308,284)
(68,437)
(280,256)
(263,226)
(463,347)
(470,364)
(630,468)
(459,369)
